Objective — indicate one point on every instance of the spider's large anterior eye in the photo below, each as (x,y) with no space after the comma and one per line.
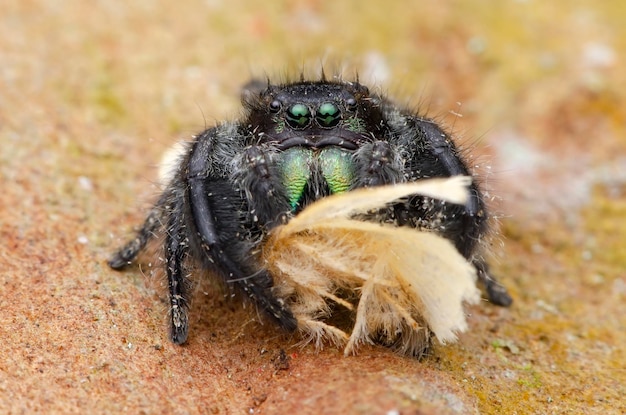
(328,115)
(298,116)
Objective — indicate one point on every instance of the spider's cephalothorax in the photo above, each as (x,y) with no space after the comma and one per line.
(297,143)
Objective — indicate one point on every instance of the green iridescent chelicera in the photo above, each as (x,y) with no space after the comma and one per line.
(298,116)
(296,166)
(328,115)
(337,168)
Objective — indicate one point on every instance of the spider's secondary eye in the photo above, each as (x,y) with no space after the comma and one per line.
(351,104)
(298,116)
(275,106)
(328,115)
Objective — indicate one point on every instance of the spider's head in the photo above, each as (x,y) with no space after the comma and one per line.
(309,135)
(312,114)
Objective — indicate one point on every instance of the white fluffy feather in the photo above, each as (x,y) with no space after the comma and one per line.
(399,284)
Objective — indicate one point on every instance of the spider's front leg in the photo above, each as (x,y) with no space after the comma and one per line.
(473,220)
(215,210)
(435,156)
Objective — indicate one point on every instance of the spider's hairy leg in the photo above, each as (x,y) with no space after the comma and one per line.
(496,292)
(213,206)
(446,152)
(127,254)
(472,224)
(176,249)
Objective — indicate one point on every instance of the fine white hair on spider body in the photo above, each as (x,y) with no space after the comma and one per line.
(340,214)
(171,162)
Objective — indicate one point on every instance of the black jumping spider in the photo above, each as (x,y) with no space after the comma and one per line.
(296,143)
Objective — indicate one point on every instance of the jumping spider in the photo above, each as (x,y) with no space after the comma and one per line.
(296,143)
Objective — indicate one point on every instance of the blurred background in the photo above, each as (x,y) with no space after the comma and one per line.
(92,93)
